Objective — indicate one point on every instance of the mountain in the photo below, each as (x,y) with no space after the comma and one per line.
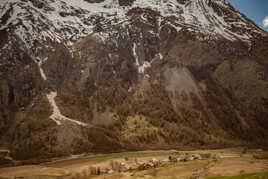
(109,75)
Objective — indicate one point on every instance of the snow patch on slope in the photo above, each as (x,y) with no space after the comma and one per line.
(146,64)
(39,63)
(141,68)
(135,54)
(56,114)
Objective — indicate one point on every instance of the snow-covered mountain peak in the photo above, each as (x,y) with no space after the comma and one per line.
(69,20)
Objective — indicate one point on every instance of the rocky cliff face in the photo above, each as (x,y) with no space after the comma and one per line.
(82,76)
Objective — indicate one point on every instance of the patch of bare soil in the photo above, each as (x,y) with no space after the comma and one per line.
(32,170)
(113,176)
(179,171)
(236,166)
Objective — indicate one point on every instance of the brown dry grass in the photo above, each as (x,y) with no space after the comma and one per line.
(234,166)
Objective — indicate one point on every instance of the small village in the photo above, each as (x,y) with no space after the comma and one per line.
(135,166)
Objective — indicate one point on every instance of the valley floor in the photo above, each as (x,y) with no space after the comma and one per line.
(223,164)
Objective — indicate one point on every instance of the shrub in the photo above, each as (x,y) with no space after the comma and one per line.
(98,171)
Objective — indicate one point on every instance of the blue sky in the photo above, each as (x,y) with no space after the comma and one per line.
(256,10)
